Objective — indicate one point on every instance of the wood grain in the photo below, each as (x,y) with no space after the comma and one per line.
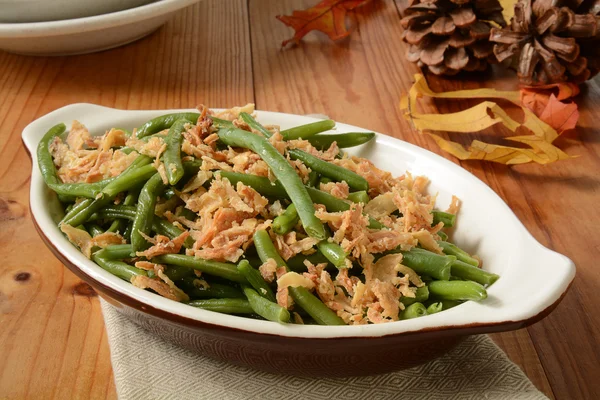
(224,53)
(52,337)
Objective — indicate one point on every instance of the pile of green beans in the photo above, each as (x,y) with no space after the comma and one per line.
(126,204)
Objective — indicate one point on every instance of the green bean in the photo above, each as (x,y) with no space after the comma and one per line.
(334,253)
(253,124)
(221,123)
(164,122)
(442,235)
(176,272)
(441,216)
(343,140)
(359,197)
(314,307)
(115,211)
(142,224)
(307,301)
(118,268)
(256,280)
(285,222)
(130,178)
(447,304)
(330,170)
(172,155)
(94,229)
(165,228)
(158,225)
(283,171)
(425,262)
(66,198)
(435,308)
(191,167)
(169,193)
(265,248)
(415,310)
(460,254)
(313,179)
(296,263)
(265,308)
(259,183)
(76,209)
(119,225)
(457,290)
(468,272)
(187,214)
(225,306)
(228,271)
(89,190)
(126,180)
(305,131)
(421,295)
(115,252)
(127,232)
(324,180)
(214,290)
(44,158)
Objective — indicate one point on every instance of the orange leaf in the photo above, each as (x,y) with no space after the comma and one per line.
(329,17)
(548,107)
(534,100)
(560,116)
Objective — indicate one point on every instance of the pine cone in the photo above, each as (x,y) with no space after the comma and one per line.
(448,36)
(554,40)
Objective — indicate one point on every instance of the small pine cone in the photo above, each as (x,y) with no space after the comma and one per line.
(552,41)
(448,36)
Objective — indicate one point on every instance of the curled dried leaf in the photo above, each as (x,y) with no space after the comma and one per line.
(482,116)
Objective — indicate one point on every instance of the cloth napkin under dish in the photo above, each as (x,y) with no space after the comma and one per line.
(475,369)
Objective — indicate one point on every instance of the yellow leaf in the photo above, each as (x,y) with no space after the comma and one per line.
(420,86)
(480,117)
(539,127)
(508,9)
(487,152)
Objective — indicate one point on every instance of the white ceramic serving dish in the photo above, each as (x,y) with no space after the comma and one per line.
(89,34)
(532,278)
(18,11)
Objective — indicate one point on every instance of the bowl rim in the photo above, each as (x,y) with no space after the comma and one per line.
(92,23)
(158,306)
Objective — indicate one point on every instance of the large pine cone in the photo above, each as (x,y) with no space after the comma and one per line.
(448,36)
(554,40)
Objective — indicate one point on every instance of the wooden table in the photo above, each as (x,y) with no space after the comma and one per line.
(227,52)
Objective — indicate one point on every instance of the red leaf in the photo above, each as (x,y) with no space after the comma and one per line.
(549,108)
(561,116)
(329,17)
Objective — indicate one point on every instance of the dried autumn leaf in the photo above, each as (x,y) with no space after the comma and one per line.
(560,116)
(329,17)
(542,101)
(565,90)
(479,117)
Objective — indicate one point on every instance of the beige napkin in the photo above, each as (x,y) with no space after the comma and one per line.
(476,369)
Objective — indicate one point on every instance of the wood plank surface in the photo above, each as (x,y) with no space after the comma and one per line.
(227,52)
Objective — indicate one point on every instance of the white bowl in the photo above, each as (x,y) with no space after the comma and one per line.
(89,34)
(15,11)
(532,281)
